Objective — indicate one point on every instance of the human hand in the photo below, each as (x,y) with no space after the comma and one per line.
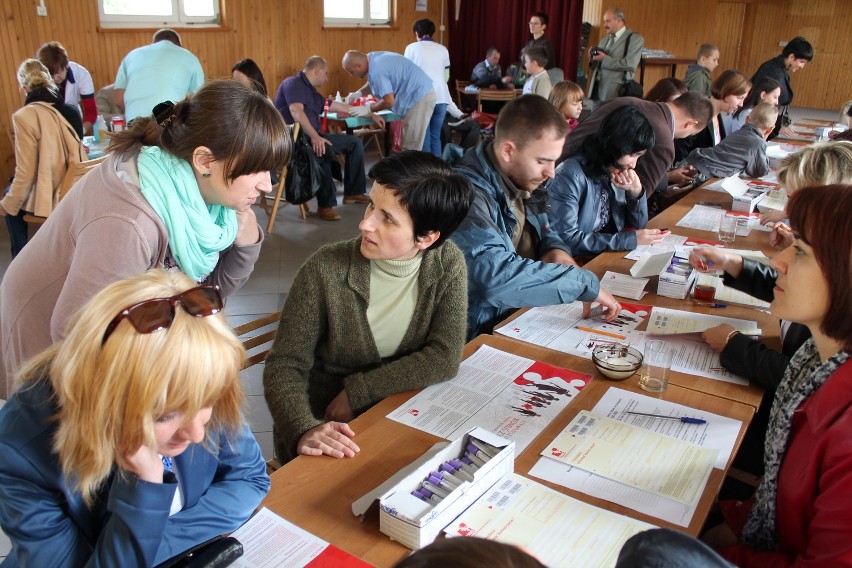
(707,258)
(248,232)
(319,143)
(339,408)
(771,217)
(352,97)
(786,132)
(609,303)
(781,236)
(717,337)
(628,181)
(650,236)
(559,256)
(145,463)
(682,175)
(599,56)
(331,439)
(3,212)
(378,120)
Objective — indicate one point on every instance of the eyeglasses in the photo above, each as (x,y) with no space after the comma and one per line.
(157,314)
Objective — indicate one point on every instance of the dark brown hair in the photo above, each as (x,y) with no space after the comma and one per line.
(528,118)
(666,90)
(239,126)
(537,54)
(730,82)
(696,106)
(54,56)
(470,552)
(820,217)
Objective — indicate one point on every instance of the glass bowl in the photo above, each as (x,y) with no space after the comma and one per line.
(616,362)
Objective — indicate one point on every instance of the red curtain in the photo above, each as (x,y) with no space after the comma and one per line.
(474,25)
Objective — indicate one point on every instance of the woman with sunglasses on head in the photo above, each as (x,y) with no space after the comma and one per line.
(125,444)
(176,191)
(382,313)
(597,201)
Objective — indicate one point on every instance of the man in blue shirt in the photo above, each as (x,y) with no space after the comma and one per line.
(400,85)
(299,101)
(162,71)
(514,259)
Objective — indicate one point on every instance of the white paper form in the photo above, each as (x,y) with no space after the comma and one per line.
(557,529)
(512,396)
(668,243)
(637,457)
(665,321)
(270,541)
(559,327)
(624,285)
(694,356)
(728,294)
(702,218)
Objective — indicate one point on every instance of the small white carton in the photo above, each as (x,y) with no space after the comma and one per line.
(746,202)
(675,285)
(416,523)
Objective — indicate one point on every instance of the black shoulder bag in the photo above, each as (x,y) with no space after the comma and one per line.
(630,88)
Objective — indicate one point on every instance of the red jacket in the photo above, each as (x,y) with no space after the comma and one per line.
(814,509)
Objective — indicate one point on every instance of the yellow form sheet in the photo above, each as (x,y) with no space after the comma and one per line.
(557,529)
(634,456)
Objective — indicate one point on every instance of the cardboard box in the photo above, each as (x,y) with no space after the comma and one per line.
(675,285)
(746,202)
(415,523)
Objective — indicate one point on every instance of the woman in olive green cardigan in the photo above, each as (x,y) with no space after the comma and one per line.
(380,314)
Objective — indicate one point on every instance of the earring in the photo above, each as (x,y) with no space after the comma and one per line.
(206,174)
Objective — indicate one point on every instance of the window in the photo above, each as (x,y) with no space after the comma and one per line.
(342,13)
(158,13)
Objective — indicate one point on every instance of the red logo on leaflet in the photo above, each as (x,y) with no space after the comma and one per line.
(465,530)
(414,412)
(556,452)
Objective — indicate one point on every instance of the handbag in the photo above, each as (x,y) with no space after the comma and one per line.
(304,174)
(630,88)
(217,552)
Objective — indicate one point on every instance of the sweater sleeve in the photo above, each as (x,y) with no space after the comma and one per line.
(236,263)
(303,324)
(438,358)
(753,360)
(755,279)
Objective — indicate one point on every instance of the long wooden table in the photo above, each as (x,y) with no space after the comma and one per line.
(756,240)
(316,493)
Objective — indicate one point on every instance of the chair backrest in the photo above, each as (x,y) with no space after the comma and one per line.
(460,86)
(262,339)
(555,75)
(75,172)
(494,95)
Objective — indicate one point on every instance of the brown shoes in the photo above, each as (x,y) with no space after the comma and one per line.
(328,214)
(362,198)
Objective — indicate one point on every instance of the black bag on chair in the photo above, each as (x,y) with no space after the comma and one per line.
(304,174)
(630,88)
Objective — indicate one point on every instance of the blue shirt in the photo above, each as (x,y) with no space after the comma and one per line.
(392,73)
(299,90)
(155,73)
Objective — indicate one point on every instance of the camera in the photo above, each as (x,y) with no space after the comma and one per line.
(596,51)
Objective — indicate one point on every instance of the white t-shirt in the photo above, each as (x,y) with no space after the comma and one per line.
(82,85)
(434,59)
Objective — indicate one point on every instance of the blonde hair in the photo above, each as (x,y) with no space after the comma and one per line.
(846,114)
(565,92)
(823,163)
(109,396)
(763,116)
(32,74)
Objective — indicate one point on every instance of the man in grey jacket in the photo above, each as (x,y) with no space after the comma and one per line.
(615,59)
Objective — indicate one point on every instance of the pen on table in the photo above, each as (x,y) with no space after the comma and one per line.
(607,333)
(717,306)
(684,419)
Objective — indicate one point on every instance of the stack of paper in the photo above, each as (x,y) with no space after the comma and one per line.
(624,285)
(665,321)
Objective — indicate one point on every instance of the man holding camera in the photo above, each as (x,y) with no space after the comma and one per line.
(614,60)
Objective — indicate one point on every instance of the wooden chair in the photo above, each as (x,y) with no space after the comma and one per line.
(73,174)
(460,87)
(278,198)
(251,342)
(494,95)
(375,134)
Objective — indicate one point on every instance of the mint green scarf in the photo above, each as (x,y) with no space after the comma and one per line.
(197,231)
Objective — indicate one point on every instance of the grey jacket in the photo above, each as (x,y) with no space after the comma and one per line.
(745,149)
(618,66)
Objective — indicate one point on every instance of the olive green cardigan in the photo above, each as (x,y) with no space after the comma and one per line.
(324,343)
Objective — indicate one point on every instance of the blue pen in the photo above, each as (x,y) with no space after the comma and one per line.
(684,419)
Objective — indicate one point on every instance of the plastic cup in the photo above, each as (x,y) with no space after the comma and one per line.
(654,376)
(728,228)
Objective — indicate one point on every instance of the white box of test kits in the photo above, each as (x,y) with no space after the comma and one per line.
(414,522)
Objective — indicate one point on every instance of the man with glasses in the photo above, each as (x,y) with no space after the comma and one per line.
(538,25)
(615,59)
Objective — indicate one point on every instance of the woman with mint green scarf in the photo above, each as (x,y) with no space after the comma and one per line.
(176,192)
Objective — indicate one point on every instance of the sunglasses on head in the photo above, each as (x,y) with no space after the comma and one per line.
(157,314)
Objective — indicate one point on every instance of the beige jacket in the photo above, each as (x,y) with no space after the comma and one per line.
(45,147)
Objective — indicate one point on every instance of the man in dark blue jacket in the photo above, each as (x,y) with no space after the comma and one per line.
(513,257)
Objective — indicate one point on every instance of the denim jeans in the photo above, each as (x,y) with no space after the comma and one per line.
(432,143)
